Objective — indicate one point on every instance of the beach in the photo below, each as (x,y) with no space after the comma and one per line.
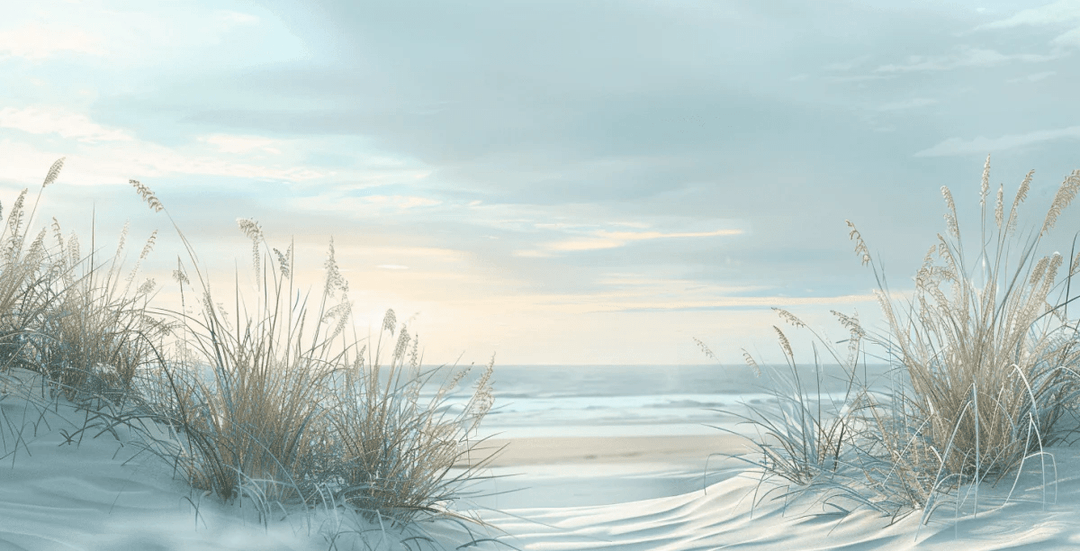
(553,493)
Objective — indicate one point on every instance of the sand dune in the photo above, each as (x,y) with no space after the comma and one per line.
(103,494)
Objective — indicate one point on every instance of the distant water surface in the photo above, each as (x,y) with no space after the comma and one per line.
(614,400)
(562,400)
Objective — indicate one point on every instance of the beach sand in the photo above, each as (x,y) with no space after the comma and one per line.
(627,494)
(627,449)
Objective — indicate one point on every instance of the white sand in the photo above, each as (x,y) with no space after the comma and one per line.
(58,496)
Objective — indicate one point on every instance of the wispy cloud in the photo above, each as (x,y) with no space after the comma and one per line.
(52,120)
(36,42)
(353,206)
(114,162)
(1034,77)
(734,303)
(1063,11)
(242,144)
(400,201)
(1070,38)
(982,145)
(610,239)
(966,57)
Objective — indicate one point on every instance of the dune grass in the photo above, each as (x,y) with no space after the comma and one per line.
(275,405)
(984,360)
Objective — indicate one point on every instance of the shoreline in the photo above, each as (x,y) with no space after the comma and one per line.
(532,451)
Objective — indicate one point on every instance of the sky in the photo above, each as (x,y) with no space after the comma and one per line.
(551,182)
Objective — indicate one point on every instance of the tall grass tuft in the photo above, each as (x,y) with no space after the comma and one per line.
(984,365)
(289,409)
(97,334)
(391,452)
(247,396)
(274,403)
(26,280)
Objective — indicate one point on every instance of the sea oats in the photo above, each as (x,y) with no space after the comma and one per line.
(950,215)
(16,215)
(147,195)
(985,189)
(999,207)
(785,345)
(751,363)
(483,398)
(1021,195)
(850,322)
(855,334)
(860,246)
(178,274)
(414,356)
(147,287)
(1064,196)
(1039,271)
(789,317)
(340,313)
(1051,274)
(390,321)
(706,350)
(58,233)
(148,247)
(74,254)
(283,261)
(253,232)
(452,383)
(120,245)
(1074,266)
(334,279)
(54,172)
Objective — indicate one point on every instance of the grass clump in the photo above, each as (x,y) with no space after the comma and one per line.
(983,359)
(393,453)
(275,404)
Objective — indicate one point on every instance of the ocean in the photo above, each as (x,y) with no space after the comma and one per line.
(639,400)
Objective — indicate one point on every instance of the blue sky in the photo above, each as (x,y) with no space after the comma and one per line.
(590,182)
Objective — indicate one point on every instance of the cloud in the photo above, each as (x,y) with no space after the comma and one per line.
(1063,11)
(982,145)
(532,253)
(733,303)
(116,162)
(242,144)
(585,244)
(399,201)
(967,57)
(1034,77)
(33,41)
(610,240)
(362,207)
(60,121)
(1070,38)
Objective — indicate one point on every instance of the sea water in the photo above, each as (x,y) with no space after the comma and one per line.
(644,400)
